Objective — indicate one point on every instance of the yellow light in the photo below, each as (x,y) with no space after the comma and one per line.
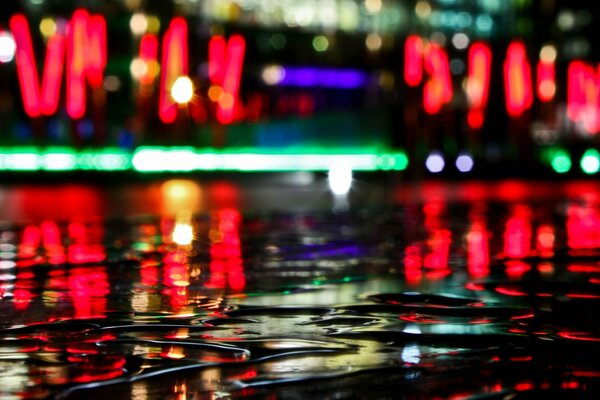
(423,9)
(153,24)
(548,53)
(373,42)
(214,93)
(138,24)
(373,6)
(226,100)
(182,90)
(138,68)
(47,27)
(183,234)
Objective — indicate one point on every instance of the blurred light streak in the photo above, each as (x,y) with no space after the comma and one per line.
(174,64)
(438,88)
(517,80)
(314,77)
(149,55)
(413,60)
(583,95)
(225,62)
(478,82)
(38,102)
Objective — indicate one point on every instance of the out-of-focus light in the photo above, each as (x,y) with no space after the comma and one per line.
(320,43)
(138,24)
(423,9)
(561,161)
(460,41)
(566,20)
(153,25)
(112,83)
(7,47)
(435,162)
(373,42)
(590,162)
(138,68)
(413,60)
(517,79)
(464,163)
(340,178)
(548,53)
(182,90)
(47,27)
(478,82)
(59,160)
(183,234)
(273,74)
(373,6)
(323,77)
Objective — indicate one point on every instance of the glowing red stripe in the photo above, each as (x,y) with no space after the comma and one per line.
(35,102)
(583,95)
(546,83)
(225,69)
(174,63)
(86,59)
(149,54)
(413,64)
(517,80)
(438,89)
(478,83)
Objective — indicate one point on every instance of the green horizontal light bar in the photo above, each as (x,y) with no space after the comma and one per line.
(160,159)
(187,159)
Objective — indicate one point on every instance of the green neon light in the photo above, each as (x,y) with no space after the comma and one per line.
(160,159)
(561,161)
(186,159)
(590,161)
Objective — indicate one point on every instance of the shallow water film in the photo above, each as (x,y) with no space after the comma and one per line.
(451,292)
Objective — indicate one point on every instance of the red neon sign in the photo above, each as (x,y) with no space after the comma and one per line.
(149,55)
(413,60)
(583,95)
(225,63)
(174,64)
(478,82)
(438,89)
(517,80)
(546,83)
(36,102)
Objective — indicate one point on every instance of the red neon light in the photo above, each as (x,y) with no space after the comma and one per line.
(517,80)
(583,226)
(36,102)
(174,63)
(583,95)
(478,82)
(413,60)
(86,58)
(546,83)
(149,54)
(225,70)
(438,89)
(88,288)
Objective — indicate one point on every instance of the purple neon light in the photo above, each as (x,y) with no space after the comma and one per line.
(323,77)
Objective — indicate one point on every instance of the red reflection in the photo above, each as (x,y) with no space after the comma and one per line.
(478,83)
(149,273)
(517,80)
(86,242)
(478,253)
(518,232)
(176,278)
(544,242)
(88,288)
(438,89)
(546,82)
(36,102)
(412,265)
(438,241)
(413,60)
(225,62)
(226,265)
(174,63)
(583,226)
(86,58)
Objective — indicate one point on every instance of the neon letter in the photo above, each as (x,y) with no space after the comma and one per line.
(438,89)
(225,70)
(174,64)
(517,80)
(478,82)
(413,63)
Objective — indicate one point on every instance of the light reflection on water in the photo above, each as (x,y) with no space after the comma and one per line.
(451,290)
